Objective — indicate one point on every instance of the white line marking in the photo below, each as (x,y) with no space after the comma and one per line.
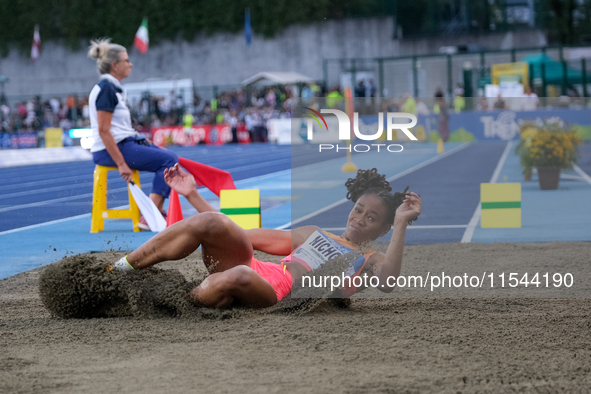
(469,233)
(582,173)
(88,177)
(16,230)
(572,177)
(47,202)
(392,178)
(414,226)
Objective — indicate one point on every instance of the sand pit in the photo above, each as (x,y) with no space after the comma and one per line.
(150,340)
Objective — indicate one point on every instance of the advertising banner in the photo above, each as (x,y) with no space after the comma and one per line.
(18,140)
(179,135)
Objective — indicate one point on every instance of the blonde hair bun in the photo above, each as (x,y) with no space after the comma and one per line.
(98,48)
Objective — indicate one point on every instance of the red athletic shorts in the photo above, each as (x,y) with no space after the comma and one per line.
(273,273)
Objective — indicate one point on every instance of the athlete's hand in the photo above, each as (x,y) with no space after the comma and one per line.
(179,180)
(410,209)
(125,172)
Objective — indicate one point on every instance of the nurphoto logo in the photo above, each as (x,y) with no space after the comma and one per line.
(344,125)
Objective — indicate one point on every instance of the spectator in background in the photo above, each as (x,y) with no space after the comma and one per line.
(372,89)
(500,103)
(409,104)
(422,108)
(334,97)
(530,101)
(271,98)
(482,104)
(360,89)
(232,121)
(307,91)
(70,103)
(249,120)
(443,115)
(188,119)
(459,103)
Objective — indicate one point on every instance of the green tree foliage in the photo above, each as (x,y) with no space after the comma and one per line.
(568,21)
(74,21)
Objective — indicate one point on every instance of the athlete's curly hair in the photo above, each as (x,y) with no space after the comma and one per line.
(370,182)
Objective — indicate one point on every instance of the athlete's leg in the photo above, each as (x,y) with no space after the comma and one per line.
(227,253)
(224,243)
(241,284)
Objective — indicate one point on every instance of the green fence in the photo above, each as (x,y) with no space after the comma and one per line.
(422,76)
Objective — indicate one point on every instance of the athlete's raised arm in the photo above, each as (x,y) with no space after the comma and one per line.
(389,264)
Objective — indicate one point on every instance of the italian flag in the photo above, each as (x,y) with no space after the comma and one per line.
(141,37)
(35,49)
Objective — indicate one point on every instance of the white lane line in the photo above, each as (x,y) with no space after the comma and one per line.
(16,230)
(414,226)
(61,188)
(392,178)
(47,202)
(582,173)
(572,177)
(45,182)
(469,233)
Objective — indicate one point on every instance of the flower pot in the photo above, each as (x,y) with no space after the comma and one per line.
(527,176)
(548,177)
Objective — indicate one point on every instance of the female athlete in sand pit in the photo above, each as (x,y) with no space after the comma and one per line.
(237,277)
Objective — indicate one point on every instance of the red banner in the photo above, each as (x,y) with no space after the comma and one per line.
(179,135)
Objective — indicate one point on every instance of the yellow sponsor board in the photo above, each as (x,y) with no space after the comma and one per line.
(53,137)
(501,205)
(242,206)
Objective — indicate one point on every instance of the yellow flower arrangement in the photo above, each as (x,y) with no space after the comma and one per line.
(552,149)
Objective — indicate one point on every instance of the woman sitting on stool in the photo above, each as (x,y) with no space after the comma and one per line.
(116,143)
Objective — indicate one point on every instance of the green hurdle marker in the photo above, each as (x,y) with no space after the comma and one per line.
(242,206)
(501,205)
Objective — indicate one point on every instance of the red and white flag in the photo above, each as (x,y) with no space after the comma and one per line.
(36,48)
(141,37)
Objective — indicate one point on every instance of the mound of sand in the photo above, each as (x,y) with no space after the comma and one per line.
(408,345)
(80,287)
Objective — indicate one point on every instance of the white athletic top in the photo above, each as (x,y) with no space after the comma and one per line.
(109,95)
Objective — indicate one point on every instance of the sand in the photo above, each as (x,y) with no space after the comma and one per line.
(486,343)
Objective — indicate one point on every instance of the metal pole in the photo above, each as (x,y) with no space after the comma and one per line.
(353,76)
(482,65)
(512,55)
(584,76)
(415,77)
(543,75)
(381,76)
(325,72)
(468,82)
(564,78)
(449,76)
(531,76)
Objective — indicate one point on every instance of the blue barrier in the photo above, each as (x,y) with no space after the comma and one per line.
(488,125)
